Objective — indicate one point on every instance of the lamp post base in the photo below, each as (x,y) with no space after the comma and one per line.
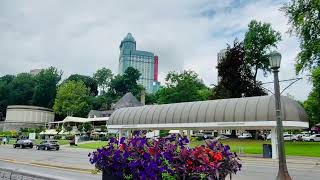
(283,176)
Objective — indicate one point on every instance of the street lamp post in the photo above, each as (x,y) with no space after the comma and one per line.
(275,60)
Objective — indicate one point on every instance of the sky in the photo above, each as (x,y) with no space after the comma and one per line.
(80,36)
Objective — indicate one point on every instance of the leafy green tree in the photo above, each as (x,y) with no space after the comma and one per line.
(4,93)
(88,81)
(182,87)
(312,104)
(128,82)
(46,87)
(304,17)
(72,99)
(21,89)
(103,77)
(236,75)
(258,41)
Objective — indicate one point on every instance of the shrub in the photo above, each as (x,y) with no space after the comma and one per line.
(69,137)
(57,137)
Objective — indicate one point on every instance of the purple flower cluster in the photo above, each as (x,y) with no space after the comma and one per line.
(140,158)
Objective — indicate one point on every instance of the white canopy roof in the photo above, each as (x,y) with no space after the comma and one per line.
(80,120)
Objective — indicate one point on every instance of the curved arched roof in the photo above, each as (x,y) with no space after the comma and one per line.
(230,111)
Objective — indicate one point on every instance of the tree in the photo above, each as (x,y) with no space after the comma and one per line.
(236,75)
(312,104)
(88,81)
(121,84)
(72,99)
(46,87)
(4,93)
(21,89)
(304,17)
(103,77)
(182,87)
(258,41)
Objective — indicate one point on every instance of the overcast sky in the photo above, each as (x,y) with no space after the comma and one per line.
(83,36)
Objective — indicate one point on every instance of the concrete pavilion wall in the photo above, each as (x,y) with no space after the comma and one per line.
(26,117)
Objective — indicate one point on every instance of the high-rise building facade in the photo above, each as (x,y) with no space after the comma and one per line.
(145,62)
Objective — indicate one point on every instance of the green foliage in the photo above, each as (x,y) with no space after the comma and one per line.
(46,87)
(304,18)
(258,41)
(88,81)
(72,99)
(67,127)
(4,93)
(11,134)
(103,128)
(21,89)
(312,104)
(182,87)
(26,89)
(235,75)
(87,126)
(57,137)
(103,77)
(163,133)
(121,84)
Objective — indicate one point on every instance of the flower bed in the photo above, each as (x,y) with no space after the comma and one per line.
(165,158)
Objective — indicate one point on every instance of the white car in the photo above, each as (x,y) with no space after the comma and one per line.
(245,136)
(290,137)
(312,138)
(286,137)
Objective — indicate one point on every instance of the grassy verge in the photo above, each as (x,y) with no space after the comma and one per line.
(310,149)
(93,145)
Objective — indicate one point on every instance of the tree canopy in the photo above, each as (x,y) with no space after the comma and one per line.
(304,17)
(127,82)
(258,41)
(182,87)
(46,87)
(72,99)
(103,77)
(88,81)
(236,75)
(312,104)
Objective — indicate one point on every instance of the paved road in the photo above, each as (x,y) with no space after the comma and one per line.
(71,163)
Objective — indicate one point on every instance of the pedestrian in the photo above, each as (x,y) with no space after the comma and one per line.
(4,140)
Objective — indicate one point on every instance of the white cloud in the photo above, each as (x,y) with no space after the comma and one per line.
(80,37)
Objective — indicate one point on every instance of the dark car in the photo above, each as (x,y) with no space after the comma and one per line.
(48,145)
(23,144)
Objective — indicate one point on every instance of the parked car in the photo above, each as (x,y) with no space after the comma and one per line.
(23,143)
(290,137)
(245,136)
(221,137)
(48,145)
(312,138)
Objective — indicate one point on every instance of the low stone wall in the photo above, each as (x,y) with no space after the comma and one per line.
(7,174)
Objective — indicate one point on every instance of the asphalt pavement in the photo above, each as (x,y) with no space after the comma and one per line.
(72,163)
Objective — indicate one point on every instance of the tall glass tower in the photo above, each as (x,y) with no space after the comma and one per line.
(145,62)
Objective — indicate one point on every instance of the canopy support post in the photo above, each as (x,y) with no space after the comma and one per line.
(274,143)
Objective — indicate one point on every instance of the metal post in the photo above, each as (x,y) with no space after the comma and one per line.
(283,173)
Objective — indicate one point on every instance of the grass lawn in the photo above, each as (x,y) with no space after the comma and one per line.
(311,149)
(93,145)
